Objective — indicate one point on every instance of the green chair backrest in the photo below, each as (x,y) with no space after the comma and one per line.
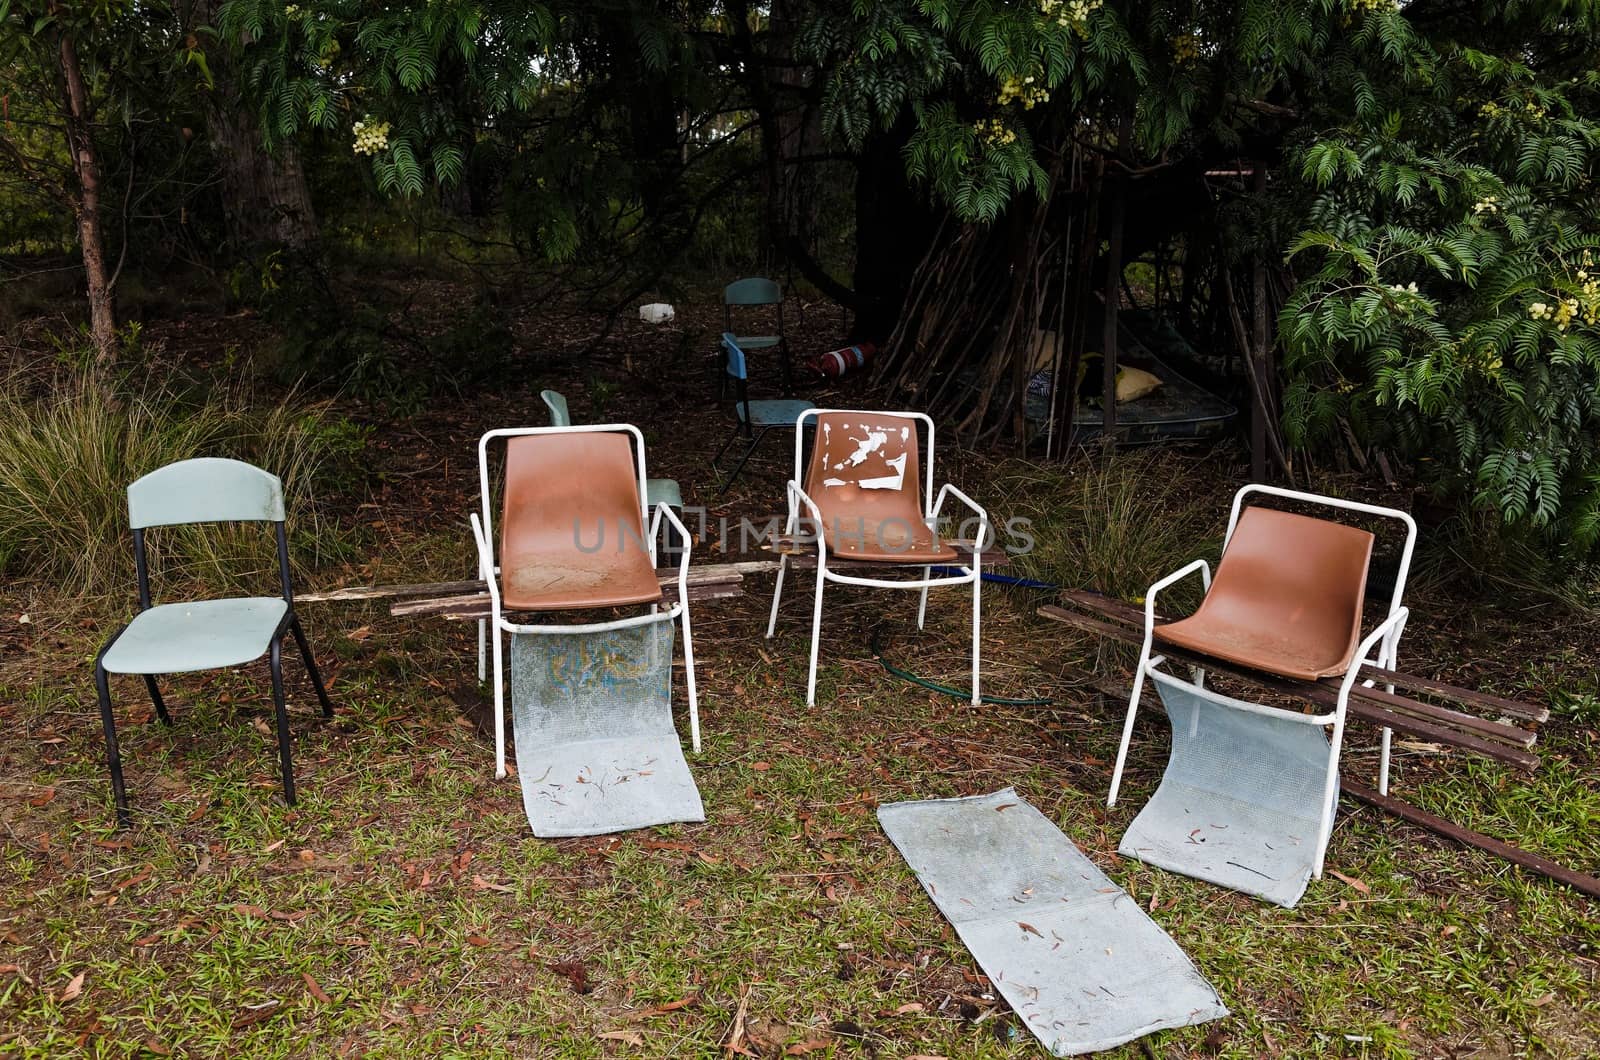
(752,290)
(559,416)
(206,489)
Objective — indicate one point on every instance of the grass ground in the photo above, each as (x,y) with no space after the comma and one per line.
(403,908)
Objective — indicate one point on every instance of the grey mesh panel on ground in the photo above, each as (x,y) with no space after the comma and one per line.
(1240,802)
(1074,956)
(596,748)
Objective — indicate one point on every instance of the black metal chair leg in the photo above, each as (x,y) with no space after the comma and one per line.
(284,764)
(155,697)
(311,666)
(754,442)
(715,460)
(119,793)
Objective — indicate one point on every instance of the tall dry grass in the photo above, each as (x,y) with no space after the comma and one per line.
(1113,522)
(70,444)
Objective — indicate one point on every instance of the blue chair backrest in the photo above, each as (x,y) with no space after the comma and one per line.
(205,490)
(752,290)
(735,360)
(559,416)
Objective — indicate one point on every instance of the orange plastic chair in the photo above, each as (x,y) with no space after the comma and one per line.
(573,536)
(868,500)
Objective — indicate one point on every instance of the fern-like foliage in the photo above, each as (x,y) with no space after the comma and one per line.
(1449,295)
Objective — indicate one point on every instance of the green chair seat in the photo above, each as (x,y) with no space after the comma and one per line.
(663,491)
(196,635)
(757,342)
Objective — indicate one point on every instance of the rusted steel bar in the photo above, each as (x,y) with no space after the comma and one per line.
(1318,695)
(1450,830)
(1120,609)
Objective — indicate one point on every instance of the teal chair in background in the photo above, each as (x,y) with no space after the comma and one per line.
(751,292)
(755,418)
(203,634)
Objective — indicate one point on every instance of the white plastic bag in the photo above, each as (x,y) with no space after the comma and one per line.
(656,313)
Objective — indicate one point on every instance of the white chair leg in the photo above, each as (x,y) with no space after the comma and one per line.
(483,632)
(922,607)
(688,667)
(499,708)
(777,594)
(1383,762)
(816,635)
(1330,795)
(977,628)
(483,636)
(1127,729)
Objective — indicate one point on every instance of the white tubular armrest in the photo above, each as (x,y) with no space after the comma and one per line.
(1176,576)
(1384,628)
(797,493)
(985,531)
(485,562)
(665,512)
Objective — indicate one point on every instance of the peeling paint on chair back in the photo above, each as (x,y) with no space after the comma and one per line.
(205,490)
(865,476)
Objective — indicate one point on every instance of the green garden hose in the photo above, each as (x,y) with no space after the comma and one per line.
(956,693)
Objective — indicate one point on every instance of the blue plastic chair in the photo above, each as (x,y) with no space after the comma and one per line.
(753,291)
(203,634)
(755,418)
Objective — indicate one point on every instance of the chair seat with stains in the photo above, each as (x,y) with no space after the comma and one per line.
(1287,597)
(572,534)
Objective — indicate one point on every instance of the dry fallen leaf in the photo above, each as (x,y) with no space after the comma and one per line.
(627,1037)
(361,634)
(811,1046)
(74,988)
(1351,880)
(914,1006)
(670,1006)
(760,767)
(314,988)
(1029,928)
(44,798)
(478,940)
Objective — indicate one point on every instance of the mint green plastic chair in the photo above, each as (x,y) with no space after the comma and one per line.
(203,634)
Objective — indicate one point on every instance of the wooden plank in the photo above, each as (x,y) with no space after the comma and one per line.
(1467,837)
(802,553)
(351,593)
(476,605)
(1318,695)
(1120,609)
(1464,696)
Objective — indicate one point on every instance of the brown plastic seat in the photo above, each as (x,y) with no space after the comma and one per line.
(867,482)
(572,532)
(1286,598)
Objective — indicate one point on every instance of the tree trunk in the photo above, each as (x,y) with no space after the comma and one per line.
(86,170)
(265,199)
(894,228)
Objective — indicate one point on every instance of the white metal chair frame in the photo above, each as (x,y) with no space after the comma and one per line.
(969,574)
(489,571)
(1386,636)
